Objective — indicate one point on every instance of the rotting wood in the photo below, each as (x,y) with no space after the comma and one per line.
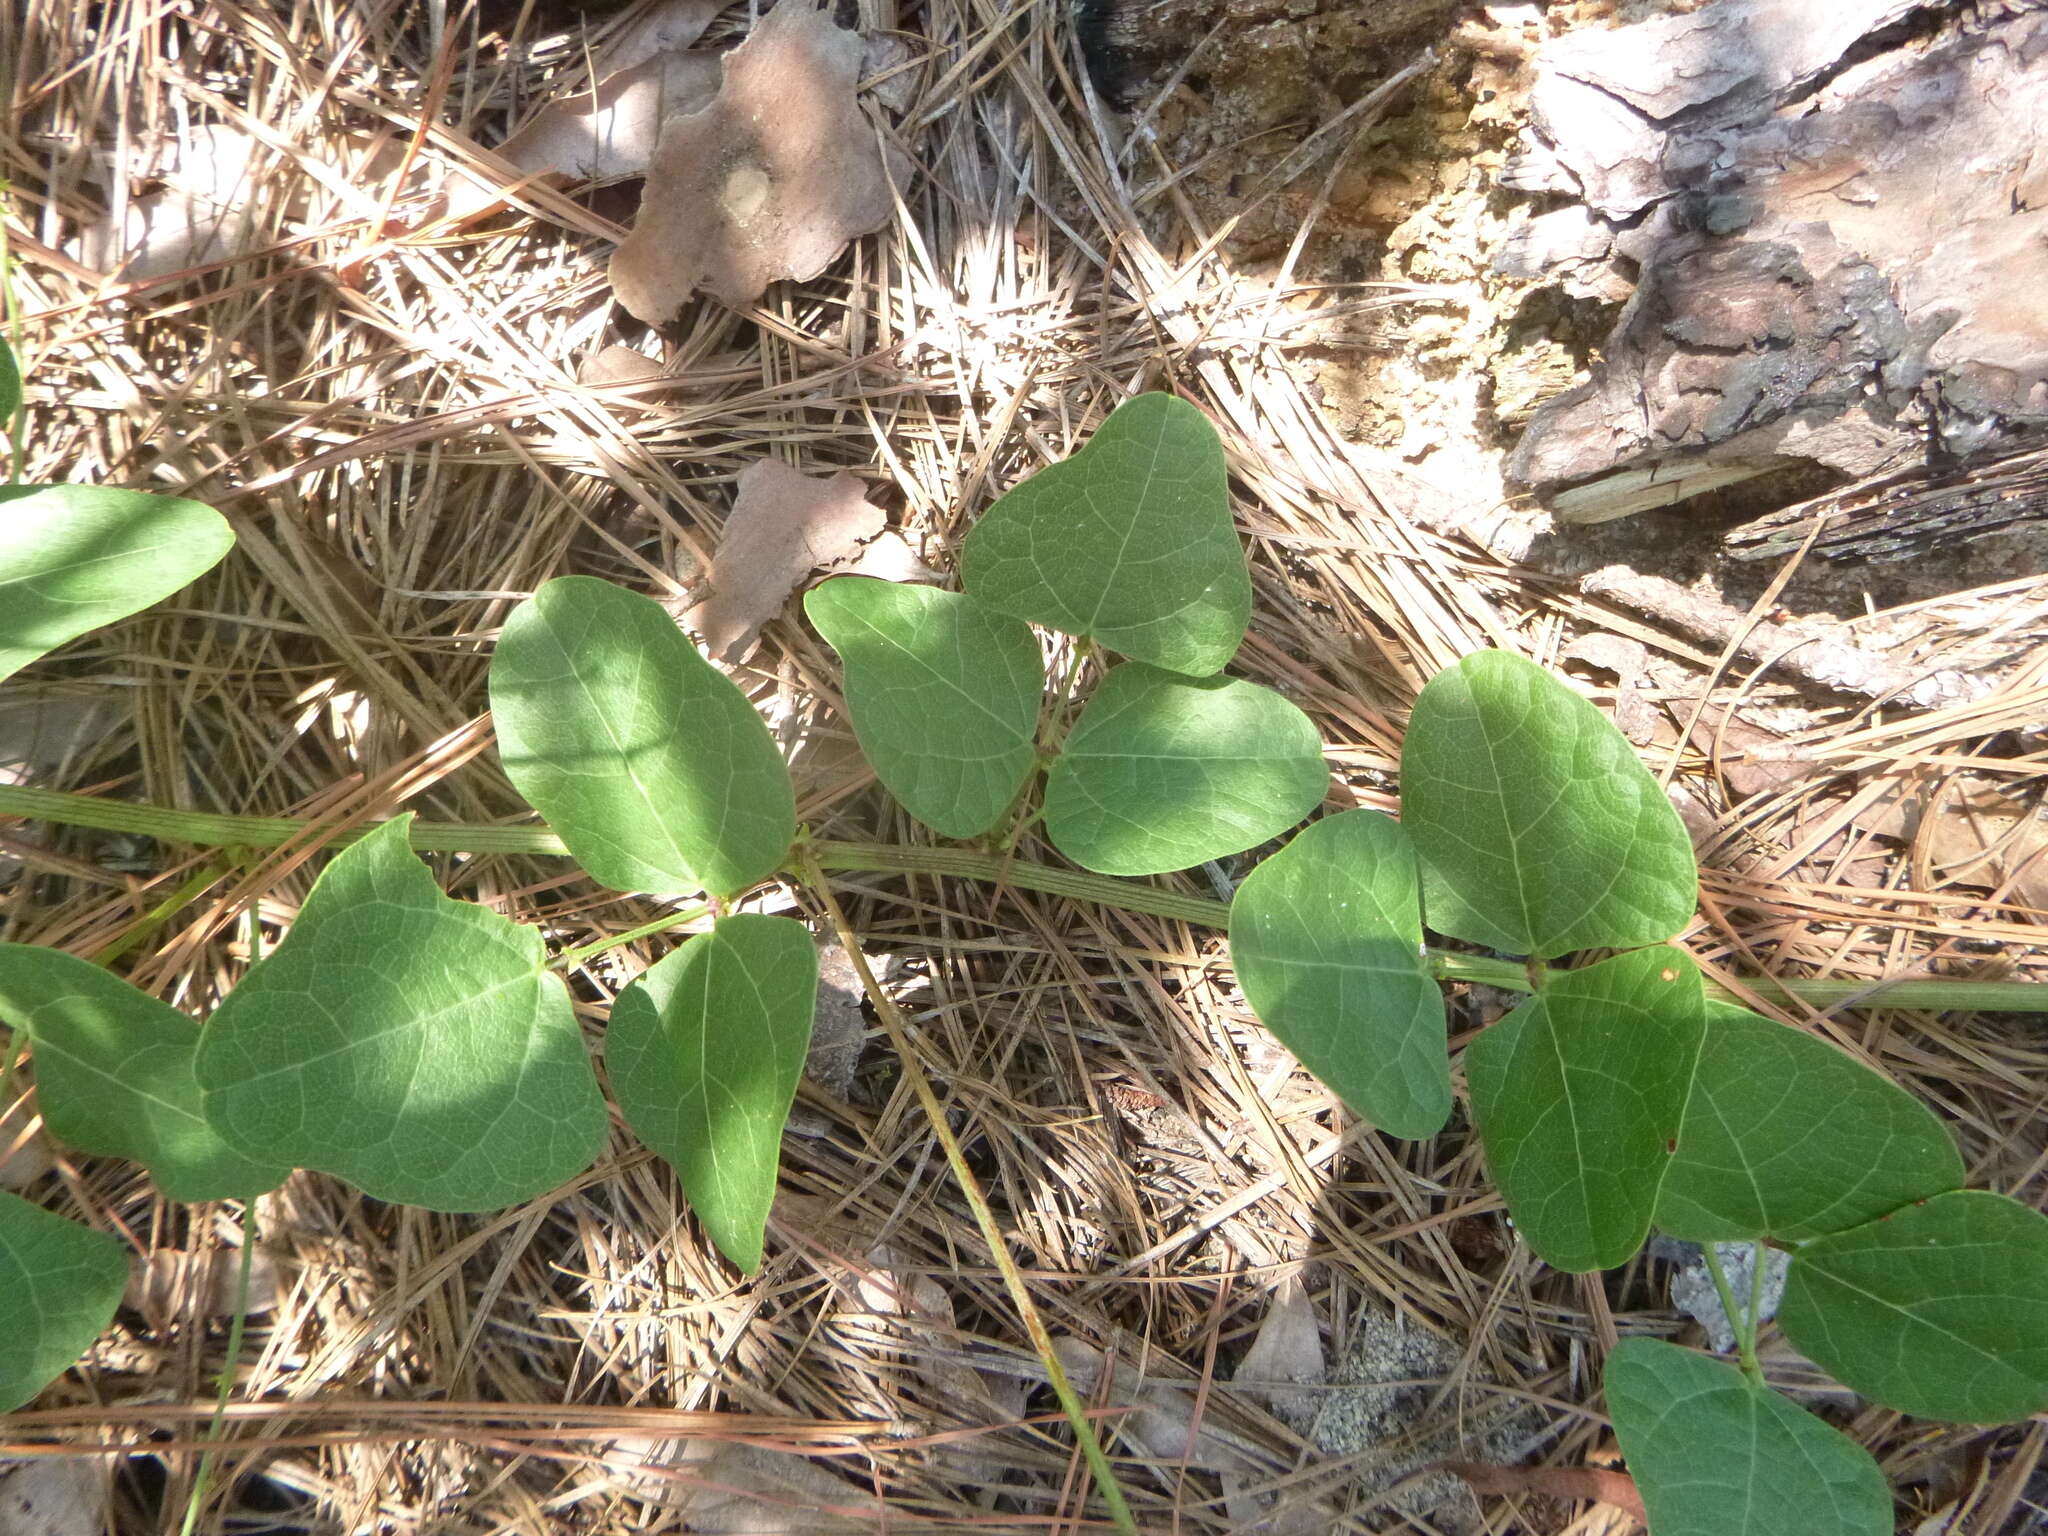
(1904,514)
(1837,209)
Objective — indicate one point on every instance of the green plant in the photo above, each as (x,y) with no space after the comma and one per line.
(420,1047)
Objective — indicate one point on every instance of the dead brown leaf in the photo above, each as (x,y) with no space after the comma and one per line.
(1985,834)
(613,129)
(175,1282)
(1599,1485)
(784,524)
(617,365)
(645,74)
(25,1152)
(771,180)
(1287,1350)
(723,1489)
(54,1496)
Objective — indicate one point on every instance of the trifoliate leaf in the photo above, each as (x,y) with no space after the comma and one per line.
(114,1074)
(1714,1454)
(704,1052)
(648,762)
(1540,831)
(1128,542)
(1326,936)
(944,695)
(75,557)
(414,1045)
(1580,1094)
(59,1286)
(1939,1309)
(1787,1137)
(1162,772)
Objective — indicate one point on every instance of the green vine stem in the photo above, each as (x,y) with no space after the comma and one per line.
(204,830)
(1742,1321)
(991,1233)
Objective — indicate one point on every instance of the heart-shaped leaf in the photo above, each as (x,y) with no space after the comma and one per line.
(1161,772)
(1787,1137)
(1128,542)
(74,557)
(1580,1093)
(649,763)
(114,1074)
(704,1052)
(1713,1454)
(414,1045)
(1939,1309)
(1326,937)
(1539,829)
(61,1283)
(944,695)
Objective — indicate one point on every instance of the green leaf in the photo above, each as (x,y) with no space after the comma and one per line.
(1129,542)
(10,391)
(114,1074)
(1326,936)
(61,1283)
(74,557)
(944,696)
(414,1045)
(1939,1309)
(648,762)
(1539,829)
(1713,1454)
(1579,1094)
(1787,1137)
(704,1051)
(1161,772)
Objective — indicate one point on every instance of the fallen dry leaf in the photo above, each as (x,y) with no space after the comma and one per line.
(1983,834)
(1599,1485)
(25,1152)
(613,129)
(617,365)
(724,1489)
(677,24)
(784,524)
(645,73)
(54,1496)
(174,1282)
(1287,1349)
(771,180)
(1160,1419)
(203,211)
(888,558)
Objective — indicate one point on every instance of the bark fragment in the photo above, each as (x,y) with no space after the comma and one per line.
(1841,225)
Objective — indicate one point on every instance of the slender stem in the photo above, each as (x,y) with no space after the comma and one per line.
(1741,1321)
(1759,1262)
(16,426)
(218,1425)
(197,884)
(195,827)
(569,957)
(1020,1296)
(10,1053)
(1052,731)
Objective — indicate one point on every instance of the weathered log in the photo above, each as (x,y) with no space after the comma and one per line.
(1839,210)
